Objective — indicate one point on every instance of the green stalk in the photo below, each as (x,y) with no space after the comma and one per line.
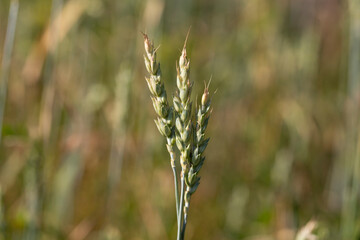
(173,167)
(179,234)
(176,191)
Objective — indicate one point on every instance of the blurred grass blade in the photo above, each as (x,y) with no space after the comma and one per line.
(307,232)
(32,191)
(2,218)
(59,209)
(123,82)
(48,93)
(6,59)
(349,228)
(63,191)
(63,22)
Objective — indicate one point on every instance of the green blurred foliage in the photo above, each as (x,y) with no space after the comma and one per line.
(80,156)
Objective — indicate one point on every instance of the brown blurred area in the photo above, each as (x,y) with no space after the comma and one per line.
(80,155)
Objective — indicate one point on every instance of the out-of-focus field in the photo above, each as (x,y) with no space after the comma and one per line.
(80,155)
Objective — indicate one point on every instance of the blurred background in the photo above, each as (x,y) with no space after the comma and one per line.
(80,155)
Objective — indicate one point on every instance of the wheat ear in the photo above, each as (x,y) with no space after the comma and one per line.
(188,133)
(166,116)
(197,159)
(182,105)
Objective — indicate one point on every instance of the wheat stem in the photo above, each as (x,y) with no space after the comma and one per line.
(176,189)
(179,233)
(173,167)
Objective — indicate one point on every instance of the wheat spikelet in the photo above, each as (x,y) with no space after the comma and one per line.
(182,104)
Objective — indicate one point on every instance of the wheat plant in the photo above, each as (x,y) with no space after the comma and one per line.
(178,125)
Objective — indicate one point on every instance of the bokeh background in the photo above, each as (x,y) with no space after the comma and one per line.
(80,155)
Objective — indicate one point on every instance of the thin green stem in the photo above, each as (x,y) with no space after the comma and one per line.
(176,192)
(181,206)
(173,166)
